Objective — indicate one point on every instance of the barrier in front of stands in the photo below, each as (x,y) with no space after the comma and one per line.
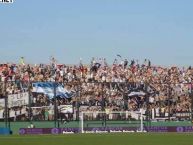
(5,131)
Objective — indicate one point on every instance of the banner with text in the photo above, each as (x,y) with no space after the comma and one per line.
(18,99)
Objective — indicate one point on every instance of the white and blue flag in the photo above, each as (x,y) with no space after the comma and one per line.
(47,88)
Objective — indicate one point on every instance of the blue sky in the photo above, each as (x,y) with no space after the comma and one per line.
(160,30)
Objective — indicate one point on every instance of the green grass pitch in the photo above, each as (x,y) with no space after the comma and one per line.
(100,139)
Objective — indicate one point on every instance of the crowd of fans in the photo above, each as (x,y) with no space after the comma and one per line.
(101,87)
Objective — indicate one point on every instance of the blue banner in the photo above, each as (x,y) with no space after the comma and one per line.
(47,88)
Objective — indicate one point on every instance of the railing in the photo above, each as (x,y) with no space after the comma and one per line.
(19,101)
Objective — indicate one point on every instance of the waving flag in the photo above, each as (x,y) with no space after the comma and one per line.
(119,55)
(21,61)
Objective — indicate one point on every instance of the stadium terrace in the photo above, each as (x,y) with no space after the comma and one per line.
(59,92)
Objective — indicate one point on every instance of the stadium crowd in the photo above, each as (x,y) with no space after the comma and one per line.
(100,86)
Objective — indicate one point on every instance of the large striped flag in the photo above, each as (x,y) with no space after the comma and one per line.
(47,88)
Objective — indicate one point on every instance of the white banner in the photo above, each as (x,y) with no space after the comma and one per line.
(1,113)
(136,94)
(2,103)
(65,108)
(18,99)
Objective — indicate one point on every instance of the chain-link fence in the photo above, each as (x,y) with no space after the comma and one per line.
(62,102)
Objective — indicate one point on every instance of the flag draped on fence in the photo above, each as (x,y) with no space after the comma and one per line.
(47,88)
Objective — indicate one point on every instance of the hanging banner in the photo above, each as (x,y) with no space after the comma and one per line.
(66,108)
(136,94)
(2,106)
(18,99)
(2,103)
(1,113)
(47,88)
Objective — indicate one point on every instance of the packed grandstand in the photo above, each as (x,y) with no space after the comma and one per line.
(162,92)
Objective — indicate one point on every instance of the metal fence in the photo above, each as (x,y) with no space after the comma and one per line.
(19,101)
